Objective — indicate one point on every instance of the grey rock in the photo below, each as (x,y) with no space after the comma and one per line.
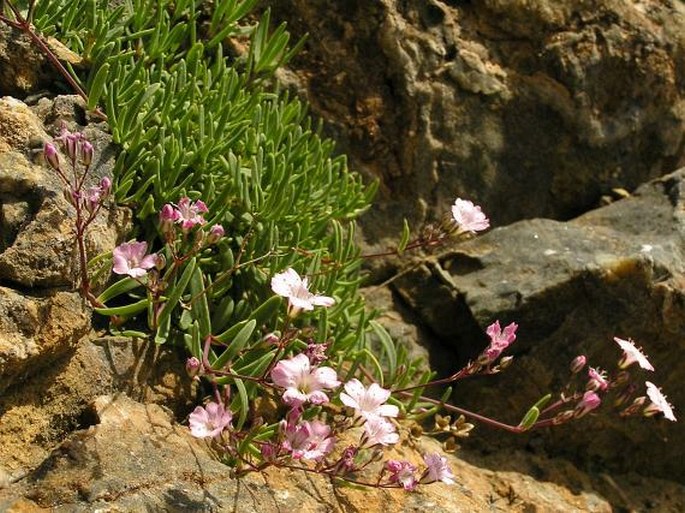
(572,287)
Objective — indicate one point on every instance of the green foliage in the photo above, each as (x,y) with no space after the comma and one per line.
(185,86)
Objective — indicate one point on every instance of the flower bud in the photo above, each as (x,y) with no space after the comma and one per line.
(505,362)
(105,185)
(215,233)
(578,363)
(269,451)
(588,403)
(193,366)
(562,417)
(635,407)
(86,151)
(71,143)
(160,262)
(50,155)
(167,217)
(271,338)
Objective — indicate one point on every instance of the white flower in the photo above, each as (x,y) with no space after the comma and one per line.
(659,402)
(368,402)
(210,421)
(469,217)
(632,354)
(379,431)
(289,284)
(437,469)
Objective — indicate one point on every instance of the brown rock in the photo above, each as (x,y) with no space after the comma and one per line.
(534,109)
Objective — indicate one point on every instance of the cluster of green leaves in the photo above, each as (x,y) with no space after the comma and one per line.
(185,86)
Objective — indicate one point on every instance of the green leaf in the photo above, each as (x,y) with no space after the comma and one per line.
(121,287)
(235,343)
(240,403)
(404,238)
(126,310)
(98,86)
(530,418)
(174,296)
(388,346)
(200,306)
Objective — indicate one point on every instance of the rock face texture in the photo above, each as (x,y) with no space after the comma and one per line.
(571,287)
(137,459)
(535,109)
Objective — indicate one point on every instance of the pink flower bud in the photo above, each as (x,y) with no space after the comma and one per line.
(215,233)
(578,363)
(167,218)
(106,185)
(86,150)
(71,141)
(50,155)
(271,338)
(193,366)
(589,402)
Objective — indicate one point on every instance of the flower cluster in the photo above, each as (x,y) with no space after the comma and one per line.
(86,199)
(132,259)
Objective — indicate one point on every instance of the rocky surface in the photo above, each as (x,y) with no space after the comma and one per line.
(571,287)
(137,459)
(501,101)
(534,109)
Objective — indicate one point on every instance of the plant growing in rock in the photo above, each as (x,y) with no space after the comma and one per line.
(86,200)
(241,207)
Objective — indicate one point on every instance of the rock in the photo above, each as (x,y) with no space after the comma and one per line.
(533,109)
(137,459)
(36,219)
(45,408)
(34,331)
(23,68)
(572,287)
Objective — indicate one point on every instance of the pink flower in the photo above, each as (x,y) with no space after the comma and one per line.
(469,217)
(437,469)
(402,472)
(189,213)
(302,382)
(308,440)
(377,431)
(210,421)
(130,258)
(289,284)
(499,340)
(597,379)
(589,402)
(659,402)
(368,402)
(632,354)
